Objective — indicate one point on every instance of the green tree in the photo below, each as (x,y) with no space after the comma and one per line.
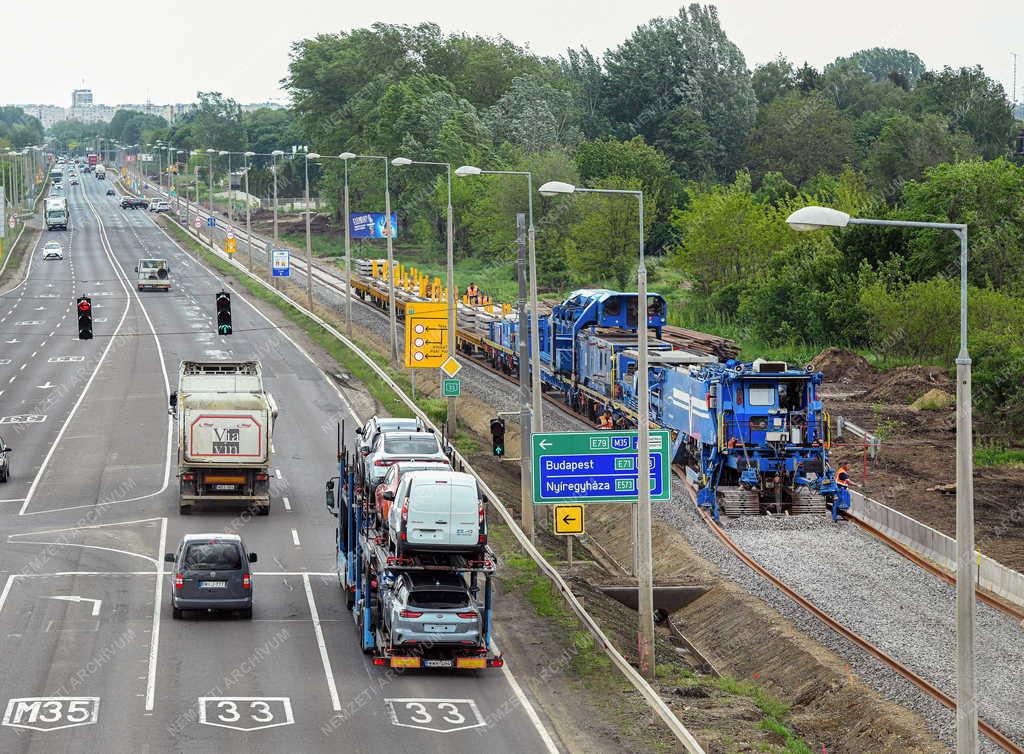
(880,63)
(906,147)
(685,138)
(986,195)
(773,79)
(18,128)
(800,136)
(217,122)
(973,104)
(535,116)
(687,60)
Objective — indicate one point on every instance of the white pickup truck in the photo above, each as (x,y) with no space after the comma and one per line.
(153,274)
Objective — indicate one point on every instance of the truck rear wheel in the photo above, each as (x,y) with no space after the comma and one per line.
(263,510)
(184,509)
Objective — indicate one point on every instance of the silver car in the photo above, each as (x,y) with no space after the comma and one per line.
(368,432)
(211,572)
(392,447)
(431,608)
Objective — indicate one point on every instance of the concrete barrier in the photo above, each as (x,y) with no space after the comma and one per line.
(992,576)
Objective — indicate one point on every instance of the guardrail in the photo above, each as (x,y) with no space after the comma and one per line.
(651,696)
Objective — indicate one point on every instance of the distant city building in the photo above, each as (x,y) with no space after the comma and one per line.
(81,98)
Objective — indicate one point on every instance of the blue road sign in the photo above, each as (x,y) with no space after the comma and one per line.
(280,263)
(597,467)
(211,222)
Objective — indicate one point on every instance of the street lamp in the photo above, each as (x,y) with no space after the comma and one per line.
(309,242)
(400,162)
(248,208)
(389,232)
(274,155)
(643,567)
(812,218)
(211,153)
(222,153)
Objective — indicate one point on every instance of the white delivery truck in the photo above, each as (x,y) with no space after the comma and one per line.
(101,173)
(153,274)
(225,425)
(56,211)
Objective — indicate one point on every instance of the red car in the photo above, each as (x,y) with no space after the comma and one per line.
(394,476)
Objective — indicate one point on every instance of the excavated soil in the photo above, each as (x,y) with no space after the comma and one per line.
(916,464)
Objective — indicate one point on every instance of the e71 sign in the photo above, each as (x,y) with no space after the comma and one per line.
(597,467)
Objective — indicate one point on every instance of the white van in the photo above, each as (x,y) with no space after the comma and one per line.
(437,511)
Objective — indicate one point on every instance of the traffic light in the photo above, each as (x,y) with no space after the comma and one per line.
(498,437)
(223,313)
(84,318)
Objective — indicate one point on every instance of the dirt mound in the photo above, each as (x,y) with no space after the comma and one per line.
(932,400)
(842,366)
(906,384)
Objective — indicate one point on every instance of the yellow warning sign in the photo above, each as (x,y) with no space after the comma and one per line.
(569,519)
(451,367)
(229,246)
(426,335)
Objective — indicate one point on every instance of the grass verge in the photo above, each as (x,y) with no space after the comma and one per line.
(992,456)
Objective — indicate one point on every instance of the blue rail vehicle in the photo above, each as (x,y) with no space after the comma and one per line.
(753,437)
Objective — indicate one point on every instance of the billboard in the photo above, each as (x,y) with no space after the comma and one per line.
(371,225)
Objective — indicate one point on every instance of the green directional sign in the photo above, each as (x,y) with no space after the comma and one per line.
(597,467)
(451,388)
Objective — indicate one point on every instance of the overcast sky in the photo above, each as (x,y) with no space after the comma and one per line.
(242,49)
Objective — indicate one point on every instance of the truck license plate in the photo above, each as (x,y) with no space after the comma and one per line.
(438,628)
(213,584)
(224,487)
(437,663)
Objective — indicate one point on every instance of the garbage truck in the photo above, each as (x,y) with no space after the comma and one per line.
(225,423)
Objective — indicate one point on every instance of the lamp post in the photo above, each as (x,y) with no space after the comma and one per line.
(223,153)
(812,218)
(248,208)
(538,414)
(211,153)
(309,241)
(644,567)
(390,233)
(402,162)
(273,169)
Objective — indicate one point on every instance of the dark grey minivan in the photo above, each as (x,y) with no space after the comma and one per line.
(211,572)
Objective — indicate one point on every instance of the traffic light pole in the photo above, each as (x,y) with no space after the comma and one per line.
(525,413)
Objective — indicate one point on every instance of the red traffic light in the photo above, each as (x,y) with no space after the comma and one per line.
(84,306)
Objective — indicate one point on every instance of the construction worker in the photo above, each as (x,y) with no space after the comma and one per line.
(842,501)
(605,421)
(473,294)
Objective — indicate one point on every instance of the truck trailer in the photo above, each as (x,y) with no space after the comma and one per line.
(225,425)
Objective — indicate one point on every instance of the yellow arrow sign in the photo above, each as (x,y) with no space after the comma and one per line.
(569,519)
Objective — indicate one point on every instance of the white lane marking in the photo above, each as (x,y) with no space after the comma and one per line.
(295,538)
(277,473)
(154,646)
(12,379)
(96,604)
(33,354)
(7,589)
(531,713)
(47,386)
(22,366)
(84,547)
(287,503)
(328,673)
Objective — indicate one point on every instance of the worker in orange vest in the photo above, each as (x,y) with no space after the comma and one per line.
(605,421)
(842,499)
(473,294)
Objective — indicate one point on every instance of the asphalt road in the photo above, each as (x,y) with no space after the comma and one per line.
(92,660)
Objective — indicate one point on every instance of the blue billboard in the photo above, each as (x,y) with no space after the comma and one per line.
(371,225)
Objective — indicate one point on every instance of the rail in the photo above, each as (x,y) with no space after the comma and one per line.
(651,696)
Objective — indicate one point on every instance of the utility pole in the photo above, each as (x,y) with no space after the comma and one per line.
(525,419)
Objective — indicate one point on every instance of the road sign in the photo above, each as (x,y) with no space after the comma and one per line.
(198,223)
(280,262)
(597,467)
(230,245)
(569,519)
(426,335)
(211,222)
(451,388)
(451,367)
(231,235)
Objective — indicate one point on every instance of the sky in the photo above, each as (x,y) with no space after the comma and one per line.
(166,53)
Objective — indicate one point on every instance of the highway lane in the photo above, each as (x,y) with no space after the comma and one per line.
(299,654)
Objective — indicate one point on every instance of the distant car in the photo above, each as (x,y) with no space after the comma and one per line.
(377,424)
(431,608)
(74,181)
(5,462)
(52,250)
(211,572)
(394,475)
(131,202)
(111,192)
(392,447)
(160,206)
